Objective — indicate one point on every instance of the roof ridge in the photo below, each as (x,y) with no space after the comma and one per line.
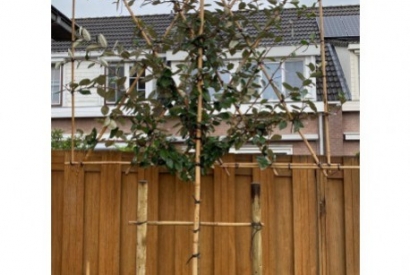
(167,14)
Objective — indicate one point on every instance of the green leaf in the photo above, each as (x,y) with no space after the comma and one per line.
(263,162)
(102,41)
(312,105)
(105,109)
(84,82)
(85,34)
(276,137)
(301,76)
(109,143)
(283,124)
(84,92)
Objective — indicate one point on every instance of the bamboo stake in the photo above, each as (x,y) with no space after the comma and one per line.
(197,195)
(290,166)
(72,80)
(142,215)
(256,230)
(185,223)
(323,57)
(331,166)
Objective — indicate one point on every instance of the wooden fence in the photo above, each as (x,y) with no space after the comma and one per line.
(311,222)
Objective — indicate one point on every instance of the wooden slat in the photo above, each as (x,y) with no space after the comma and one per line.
(304,209)
(356,218)
(73,217)
(321,220)
(206,261)
(243,235)
(267,183)
(57,197)
(351,209)
(228,215)
(152,176)
(217,210)
(166,241)
(129,190)
(184,204)
(282,247)
(335,227)
(91,221)
(109,234)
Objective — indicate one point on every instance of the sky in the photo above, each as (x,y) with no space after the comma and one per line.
(99,8)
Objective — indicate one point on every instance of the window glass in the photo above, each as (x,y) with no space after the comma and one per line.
(140,87)
(291,68)
(114,73)
(55,85)
(271,68)
(225,78)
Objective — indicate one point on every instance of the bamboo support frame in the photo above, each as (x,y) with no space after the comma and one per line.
(142,214)
(198,147)
(72,79)
(188,223)
(323,57)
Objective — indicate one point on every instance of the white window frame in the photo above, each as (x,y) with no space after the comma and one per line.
(60,69)
(127,67)
(354,50)
(305,60)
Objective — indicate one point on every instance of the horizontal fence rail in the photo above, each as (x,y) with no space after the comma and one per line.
(310,222)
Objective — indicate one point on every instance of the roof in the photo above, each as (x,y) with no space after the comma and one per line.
(294,29)
(60,26)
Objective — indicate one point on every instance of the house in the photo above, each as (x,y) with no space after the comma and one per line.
(342,39)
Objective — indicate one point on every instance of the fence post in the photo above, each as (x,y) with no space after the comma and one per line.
(256,229)
(142,227)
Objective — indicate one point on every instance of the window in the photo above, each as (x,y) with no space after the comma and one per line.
(116,72)
(225,77)
(55,85)
(354,70)
(287,72)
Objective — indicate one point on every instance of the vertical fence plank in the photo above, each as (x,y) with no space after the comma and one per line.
(351,209)
(166,241)
(356,218)
(109,234)
(152,175)
(243,235)
(129,193)
(321,216)
(304,209)
(217,209)
(57,197)
(335,224)
(282,225)
(206,262)
(182,234)
(228,215)
(91,220)
(73,207)
(349,227)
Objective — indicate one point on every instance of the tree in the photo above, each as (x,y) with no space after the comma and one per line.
(196,95)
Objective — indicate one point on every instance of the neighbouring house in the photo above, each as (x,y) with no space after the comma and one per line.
(342,38)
